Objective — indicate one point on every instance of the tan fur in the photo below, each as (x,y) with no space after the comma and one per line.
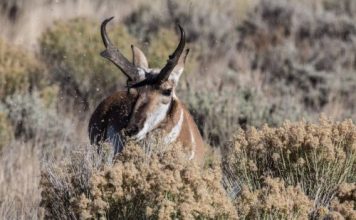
(139,58)
(189,129)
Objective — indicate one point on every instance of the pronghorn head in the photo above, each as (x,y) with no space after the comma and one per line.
(155,88)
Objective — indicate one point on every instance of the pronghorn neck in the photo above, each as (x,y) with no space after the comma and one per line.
(174,121)
(178,127)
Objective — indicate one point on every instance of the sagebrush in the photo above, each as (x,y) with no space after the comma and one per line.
(280,63)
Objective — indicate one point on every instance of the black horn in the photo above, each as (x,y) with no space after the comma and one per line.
(168,68)
(173,58)
(115,56)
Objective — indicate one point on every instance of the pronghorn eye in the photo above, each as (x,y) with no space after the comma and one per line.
(167,92)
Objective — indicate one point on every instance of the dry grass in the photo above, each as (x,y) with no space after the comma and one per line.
(19,181)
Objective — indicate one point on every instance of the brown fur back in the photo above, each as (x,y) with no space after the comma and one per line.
(115,109)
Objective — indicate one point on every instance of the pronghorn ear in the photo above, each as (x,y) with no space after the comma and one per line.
(138,58)
(178,69)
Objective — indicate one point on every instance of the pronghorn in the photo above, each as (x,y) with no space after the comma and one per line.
(149,104)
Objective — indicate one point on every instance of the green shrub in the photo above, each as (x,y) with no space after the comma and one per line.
(162,45)
(71,49)
(20,71)
(35,117)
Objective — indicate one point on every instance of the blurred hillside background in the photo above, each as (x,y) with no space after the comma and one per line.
(251,63)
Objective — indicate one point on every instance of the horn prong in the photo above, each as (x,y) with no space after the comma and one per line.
(114,55)
(104,35)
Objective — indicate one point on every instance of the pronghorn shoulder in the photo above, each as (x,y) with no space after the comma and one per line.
(119,103)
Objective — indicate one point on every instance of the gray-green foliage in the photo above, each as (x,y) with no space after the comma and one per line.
(33,119)
(71,50)
(220,112)
(20,70)
(304,53)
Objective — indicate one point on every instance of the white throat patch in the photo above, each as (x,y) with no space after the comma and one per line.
(193,143)
(152,121)
(174,133)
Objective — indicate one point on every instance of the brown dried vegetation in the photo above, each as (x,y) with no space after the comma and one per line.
(312,162)
(160,186)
